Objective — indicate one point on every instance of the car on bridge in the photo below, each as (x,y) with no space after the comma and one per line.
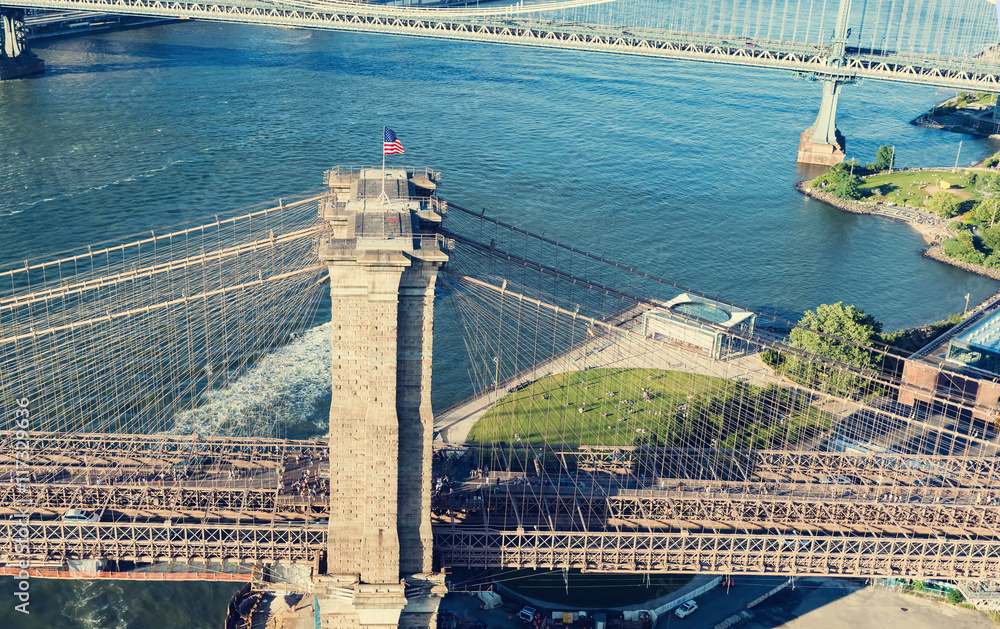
(933,481)
(79,516)
(686,609)
(836,479)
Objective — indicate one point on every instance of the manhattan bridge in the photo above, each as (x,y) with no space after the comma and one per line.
(944,43)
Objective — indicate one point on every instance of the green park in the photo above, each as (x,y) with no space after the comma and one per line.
(970,197)
(636,406)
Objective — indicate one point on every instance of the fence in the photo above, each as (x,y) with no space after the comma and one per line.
(664,608)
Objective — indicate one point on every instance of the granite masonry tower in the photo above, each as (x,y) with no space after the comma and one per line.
(383,257)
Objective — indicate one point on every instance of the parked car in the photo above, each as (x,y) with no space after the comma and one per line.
(686,609)
(527,614)
(79,516)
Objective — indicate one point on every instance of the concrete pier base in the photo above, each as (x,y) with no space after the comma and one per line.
(16,61)
(822,143)
(821,153)
(25,64)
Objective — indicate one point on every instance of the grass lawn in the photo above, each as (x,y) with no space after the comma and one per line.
(678,408)
(591,589)
(912,188)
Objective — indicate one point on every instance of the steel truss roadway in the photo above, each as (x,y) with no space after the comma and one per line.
(48,542)
(736,553)
(871,515)
(815,61)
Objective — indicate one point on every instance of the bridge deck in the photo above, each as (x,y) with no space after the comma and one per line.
(976,72)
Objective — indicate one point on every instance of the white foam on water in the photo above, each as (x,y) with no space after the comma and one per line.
(96,605)
(284,386)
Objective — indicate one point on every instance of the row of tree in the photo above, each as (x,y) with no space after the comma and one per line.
(844,180)
(840,333)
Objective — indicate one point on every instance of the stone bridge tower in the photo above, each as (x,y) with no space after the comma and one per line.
(383,257)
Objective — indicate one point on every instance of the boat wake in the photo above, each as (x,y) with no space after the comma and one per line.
(286,394)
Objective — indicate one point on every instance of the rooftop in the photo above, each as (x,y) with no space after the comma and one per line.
(985,335)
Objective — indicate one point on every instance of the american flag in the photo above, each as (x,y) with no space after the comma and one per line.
(390,143)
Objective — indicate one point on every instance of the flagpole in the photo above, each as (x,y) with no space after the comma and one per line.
(383,196)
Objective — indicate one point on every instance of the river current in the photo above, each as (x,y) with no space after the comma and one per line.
(685,170)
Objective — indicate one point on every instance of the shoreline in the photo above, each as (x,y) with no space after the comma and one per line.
(933,228)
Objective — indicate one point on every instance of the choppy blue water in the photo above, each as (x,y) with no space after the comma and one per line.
(682,169)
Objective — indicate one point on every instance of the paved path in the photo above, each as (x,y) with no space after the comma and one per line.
(826,604)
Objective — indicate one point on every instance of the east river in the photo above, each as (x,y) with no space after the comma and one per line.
(683,169)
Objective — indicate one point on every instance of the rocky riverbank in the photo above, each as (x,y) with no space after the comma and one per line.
(933,228)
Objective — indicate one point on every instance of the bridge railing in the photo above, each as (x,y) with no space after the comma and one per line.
(412,171)
(420,241)
(156,541)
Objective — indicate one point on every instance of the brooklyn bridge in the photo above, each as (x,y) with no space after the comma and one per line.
(620,422)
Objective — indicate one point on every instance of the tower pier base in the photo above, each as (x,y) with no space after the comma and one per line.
(821,153)
(16,61)
(822,143)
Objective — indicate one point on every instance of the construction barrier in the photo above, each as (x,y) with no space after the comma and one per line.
(769,594)
(732,620)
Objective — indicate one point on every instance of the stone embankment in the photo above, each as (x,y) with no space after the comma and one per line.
(933,228)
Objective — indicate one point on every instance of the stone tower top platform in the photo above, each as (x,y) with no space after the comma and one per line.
(372,210)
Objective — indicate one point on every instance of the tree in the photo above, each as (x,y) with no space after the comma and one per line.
(845,333)
(985,212)
(884,158)
(945,203)
(991,238)
(988,186)
(848,187)
(955,596)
